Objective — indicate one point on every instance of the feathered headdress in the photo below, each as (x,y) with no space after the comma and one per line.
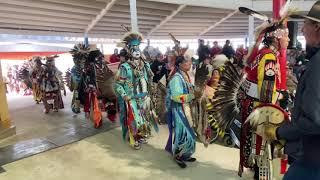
(36,60)
(79,52)
(177,49)
(261,31)
(51,59)
(176,52)
(130,38)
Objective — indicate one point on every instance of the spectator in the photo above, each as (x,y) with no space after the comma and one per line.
(228,50)
(147,49)
(240,53)
(158,68)
(203,51)
(216,49)
(114,57)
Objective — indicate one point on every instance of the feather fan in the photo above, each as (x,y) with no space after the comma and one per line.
(225,102)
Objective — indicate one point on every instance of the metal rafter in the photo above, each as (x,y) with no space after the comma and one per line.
(51,6)
(100,15)
(168,18)
(219,22)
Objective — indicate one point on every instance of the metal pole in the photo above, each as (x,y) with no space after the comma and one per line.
(86,40)
(101,48)
(134,17)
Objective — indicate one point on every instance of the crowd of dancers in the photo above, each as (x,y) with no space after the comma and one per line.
(254,92)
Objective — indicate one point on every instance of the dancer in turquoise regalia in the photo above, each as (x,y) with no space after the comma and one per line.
(132,86)
(182,137)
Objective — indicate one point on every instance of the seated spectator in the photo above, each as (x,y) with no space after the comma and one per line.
(228,50)
(216,49)
(240,53)
(114,57)
(203,51)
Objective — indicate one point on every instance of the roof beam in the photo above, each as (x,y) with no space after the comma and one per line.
(90,4)
(42,12)
(168,18)
(100,15)
(22,16)
(104,25)
(202,14)
(219,22)
(113,14)
(114,29)
(259,5)
(225,4)
(152,5)
(195,31)
(52,6)
(205,20)
(142,10)
(40,23)
(266,5)
(120,21)
(177,27)
(33,27)
(41,32)
(199,9)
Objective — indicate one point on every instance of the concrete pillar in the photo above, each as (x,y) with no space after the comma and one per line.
(6,127)
(251,31)
(134,16)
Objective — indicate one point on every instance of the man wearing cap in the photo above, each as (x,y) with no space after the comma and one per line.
(305,124)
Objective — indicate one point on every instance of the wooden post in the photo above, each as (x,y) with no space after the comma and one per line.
(6,127)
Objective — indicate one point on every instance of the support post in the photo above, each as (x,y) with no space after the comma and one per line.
(282,85)
(101,48)
(134,16)
(86,40)
(6,127)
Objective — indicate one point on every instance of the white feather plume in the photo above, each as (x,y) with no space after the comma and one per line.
(219,60)
(285,9)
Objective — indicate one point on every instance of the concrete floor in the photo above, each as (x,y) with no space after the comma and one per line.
(32,123)
(106,157)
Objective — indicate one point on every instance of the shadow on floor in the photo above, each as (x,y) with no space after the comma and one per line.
(153,158)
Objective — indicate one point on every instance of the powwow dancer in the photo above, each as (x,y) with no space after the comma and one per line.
(36,79)
(252,93)
(132,86)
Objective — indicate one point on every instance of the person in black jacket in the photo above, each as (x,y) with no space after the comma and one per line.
(203,50)
(228,50)
(302,134)
(158,68)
